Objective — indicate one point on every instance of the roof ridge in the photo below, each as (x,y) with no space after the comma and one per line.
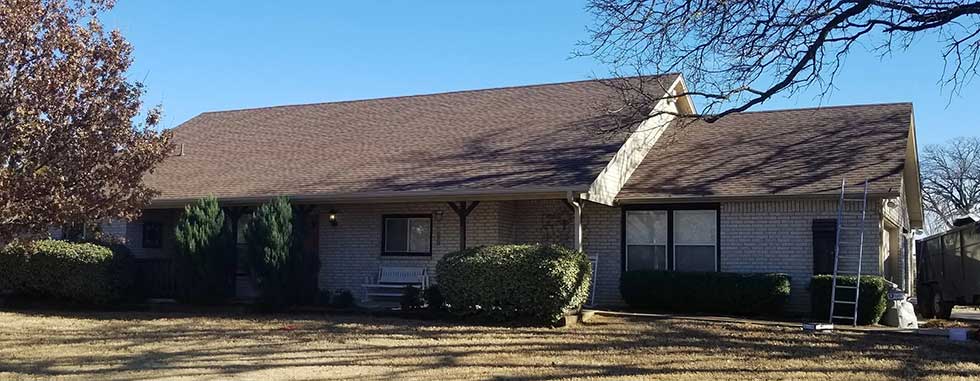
(824,107)
(432,94)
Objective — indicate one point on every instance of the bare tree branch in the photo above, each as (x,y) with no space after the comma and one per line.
(738,54)
(951,179)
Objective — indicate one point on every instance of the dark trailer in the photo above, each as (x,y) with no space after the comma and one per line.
(949,270)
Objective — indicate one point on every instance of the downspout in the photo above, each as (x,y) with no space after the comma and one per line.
(577,210)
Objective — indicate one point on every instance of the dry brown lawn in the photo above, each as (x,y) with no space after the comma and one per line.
(140,346)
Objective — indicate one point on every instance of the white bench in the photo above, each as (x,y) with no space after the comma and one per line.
(391,281)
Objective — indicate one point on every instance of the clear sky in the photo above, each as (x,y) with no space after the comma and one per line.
(198,56)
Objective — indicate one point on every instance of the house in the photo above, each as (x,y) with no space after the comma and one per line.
(402,181)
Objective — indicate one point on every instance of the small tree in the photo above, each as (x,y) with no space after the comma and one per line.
(202,250)
(271,251)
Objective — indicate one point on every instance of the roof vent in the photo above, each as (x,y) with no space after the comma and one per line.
(180,150)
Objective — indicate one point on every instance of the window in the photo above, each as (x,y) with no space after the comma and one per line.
(681,237)
(646,240)
(152,235)
(695,238)
(407,235)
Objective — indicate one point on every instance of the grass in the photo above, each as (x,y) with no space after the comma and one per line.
(137,346)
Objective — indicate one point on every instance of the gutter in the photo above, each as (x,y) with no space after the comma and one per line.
(386,197)
(745,197)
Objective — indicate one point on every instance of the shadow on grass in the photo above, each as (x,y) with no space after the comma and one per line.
(152,345)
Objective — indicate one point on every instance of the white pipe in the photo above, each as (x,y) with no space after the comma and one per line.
(577,209)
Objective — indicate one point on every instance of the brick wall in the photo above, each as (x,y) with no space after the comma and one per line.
(776,236)
(350,252)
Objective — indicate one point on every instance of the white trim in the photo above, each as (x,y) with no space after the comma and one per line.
(617,172)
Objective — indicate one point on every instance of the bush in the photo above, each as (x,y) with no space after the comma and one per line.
(342,299)
(433,299)
(872,304)
(205,258)
(82,273)
(412,299)
(507,282)
(712,292)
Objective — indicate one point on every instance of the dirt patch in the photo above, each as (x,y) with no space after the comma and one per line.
(128,346)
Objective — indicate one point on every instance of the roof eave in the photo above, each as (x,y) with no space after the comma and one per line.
(743,197)
(386,197)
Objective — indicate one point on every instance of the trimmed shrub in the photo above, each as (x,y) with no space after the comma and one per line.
(871,306)
(205,259)
(412,298)
(515,282)
(343,298)
(81,273)
(709,292)
(433,299)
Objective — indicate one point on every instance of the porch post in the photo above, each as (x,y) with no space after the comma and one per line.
(462,210)
(576,207)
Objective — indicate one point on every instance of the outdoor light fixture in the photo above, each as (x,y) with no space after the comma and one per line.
(892,204)
(332,217)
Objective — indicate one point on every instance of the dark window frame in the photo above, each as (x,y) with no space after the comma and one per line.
(384,224)
(670,208)
(158,244)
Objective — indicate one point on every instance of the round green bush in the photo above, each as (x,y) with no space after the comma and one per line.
(872,303)
(515,282)
(82,273)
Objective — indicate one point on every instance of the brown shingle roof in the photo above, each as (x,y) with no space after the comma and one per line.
(510,139)
(786,152)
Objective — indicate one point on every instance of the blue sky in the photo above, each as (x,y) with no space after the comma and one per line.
(198,56)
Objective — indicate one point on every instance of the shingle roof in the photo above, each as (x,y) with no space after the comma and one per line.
(529,137)
(786,152)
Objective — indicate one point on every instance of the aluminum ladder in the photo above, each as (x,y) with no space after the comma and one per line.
(841,228)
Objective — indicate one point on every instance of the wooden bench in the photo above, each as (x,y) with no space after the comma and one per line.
(391,281)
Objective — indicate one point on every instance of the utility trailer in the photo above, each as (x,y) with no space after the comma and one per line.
(948,270)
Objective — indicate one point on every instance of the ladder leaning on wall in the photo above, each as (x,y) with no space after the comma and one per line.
(840,299)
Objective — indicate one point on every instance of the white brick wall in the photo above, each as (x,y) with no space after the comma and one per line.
(776,236)
(756,236)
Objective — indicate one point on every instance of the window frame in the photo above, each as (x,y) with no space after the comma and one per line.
(384,230)
(670,208)
(159,242)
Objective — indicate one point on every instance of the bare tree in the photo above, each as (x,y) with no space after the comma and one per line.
(736,54)
(951,180)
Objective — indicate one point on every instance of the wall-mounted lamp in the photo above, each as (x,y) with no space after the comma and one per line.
(892,204)
(332,217)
